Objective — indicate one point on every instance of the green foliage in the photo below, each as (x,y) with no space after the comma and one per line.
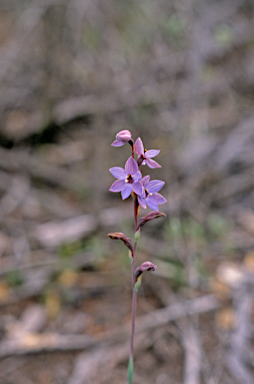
(223,35)
(189,242)
(174,26)
(186,229)
(15,278)
(92,37)
(67,250)
(218,226)
(174,30)
(172,269)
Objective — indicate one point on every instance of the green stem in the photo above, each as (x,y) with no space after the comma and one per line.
(130,370)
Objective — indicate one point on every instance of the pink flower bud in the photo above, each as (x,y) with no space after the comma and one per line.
(122,137)
(150,216)
(146,266)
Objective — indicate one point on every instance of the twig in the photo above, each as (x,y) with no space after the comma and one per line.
(192,349)
(240,338)
(54,342)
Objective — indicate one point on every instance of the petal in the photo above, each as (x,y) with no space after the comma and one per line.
(152,164)
(145,180)
(137,176)
(138,147)
(152,153)
(138,188)
(118,173)
(151,203)
(117,186)
(158,198)
(154,186)
(142,202)
(131,166)
(117,143)
(126,191)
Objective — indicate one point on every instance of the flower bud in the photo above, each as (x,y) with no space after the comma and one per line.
(121,236)
(146,266)
(150,216)
(122,137)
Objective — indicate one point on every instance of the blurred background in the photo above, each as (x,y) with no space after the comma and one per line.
(179,74)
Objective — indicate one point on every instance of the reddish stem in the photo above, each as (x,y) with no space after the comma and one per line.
(134,293)
(136,212)
(132,151)
(133,315)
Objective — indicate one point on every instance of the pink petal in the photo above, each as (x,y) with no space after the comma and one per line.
(117,143)
(137,176)
(152,164)
(145,180)
(131,166)
(142,202)
(126,191)
(138,147)
(117,186)
(154,186)
(137,188)
(118,173)
(158,198)
(151,203)
(152,153)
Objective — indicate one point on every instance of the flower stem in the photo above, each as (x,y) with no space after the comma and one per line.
(132,151)
(133,314)
(136,208)
(134,297)
(133,264)
(130,370)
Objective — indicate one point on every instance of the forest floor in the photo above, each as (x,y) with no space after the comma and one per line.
(180,76)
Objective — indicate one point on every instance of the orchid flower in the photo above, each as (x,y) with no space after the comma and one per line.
(128,179)
(150,195)
(145,157)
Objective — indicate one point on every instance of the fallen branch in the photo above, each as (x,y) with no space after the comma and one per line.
(51,342)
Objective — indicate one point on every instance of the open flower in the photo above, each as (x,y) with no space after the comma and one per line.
(122,137)
(145,157)
(128,179)
(150,196)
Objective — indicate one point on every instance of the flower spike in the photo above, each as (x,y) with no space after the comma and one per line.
(144,193)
